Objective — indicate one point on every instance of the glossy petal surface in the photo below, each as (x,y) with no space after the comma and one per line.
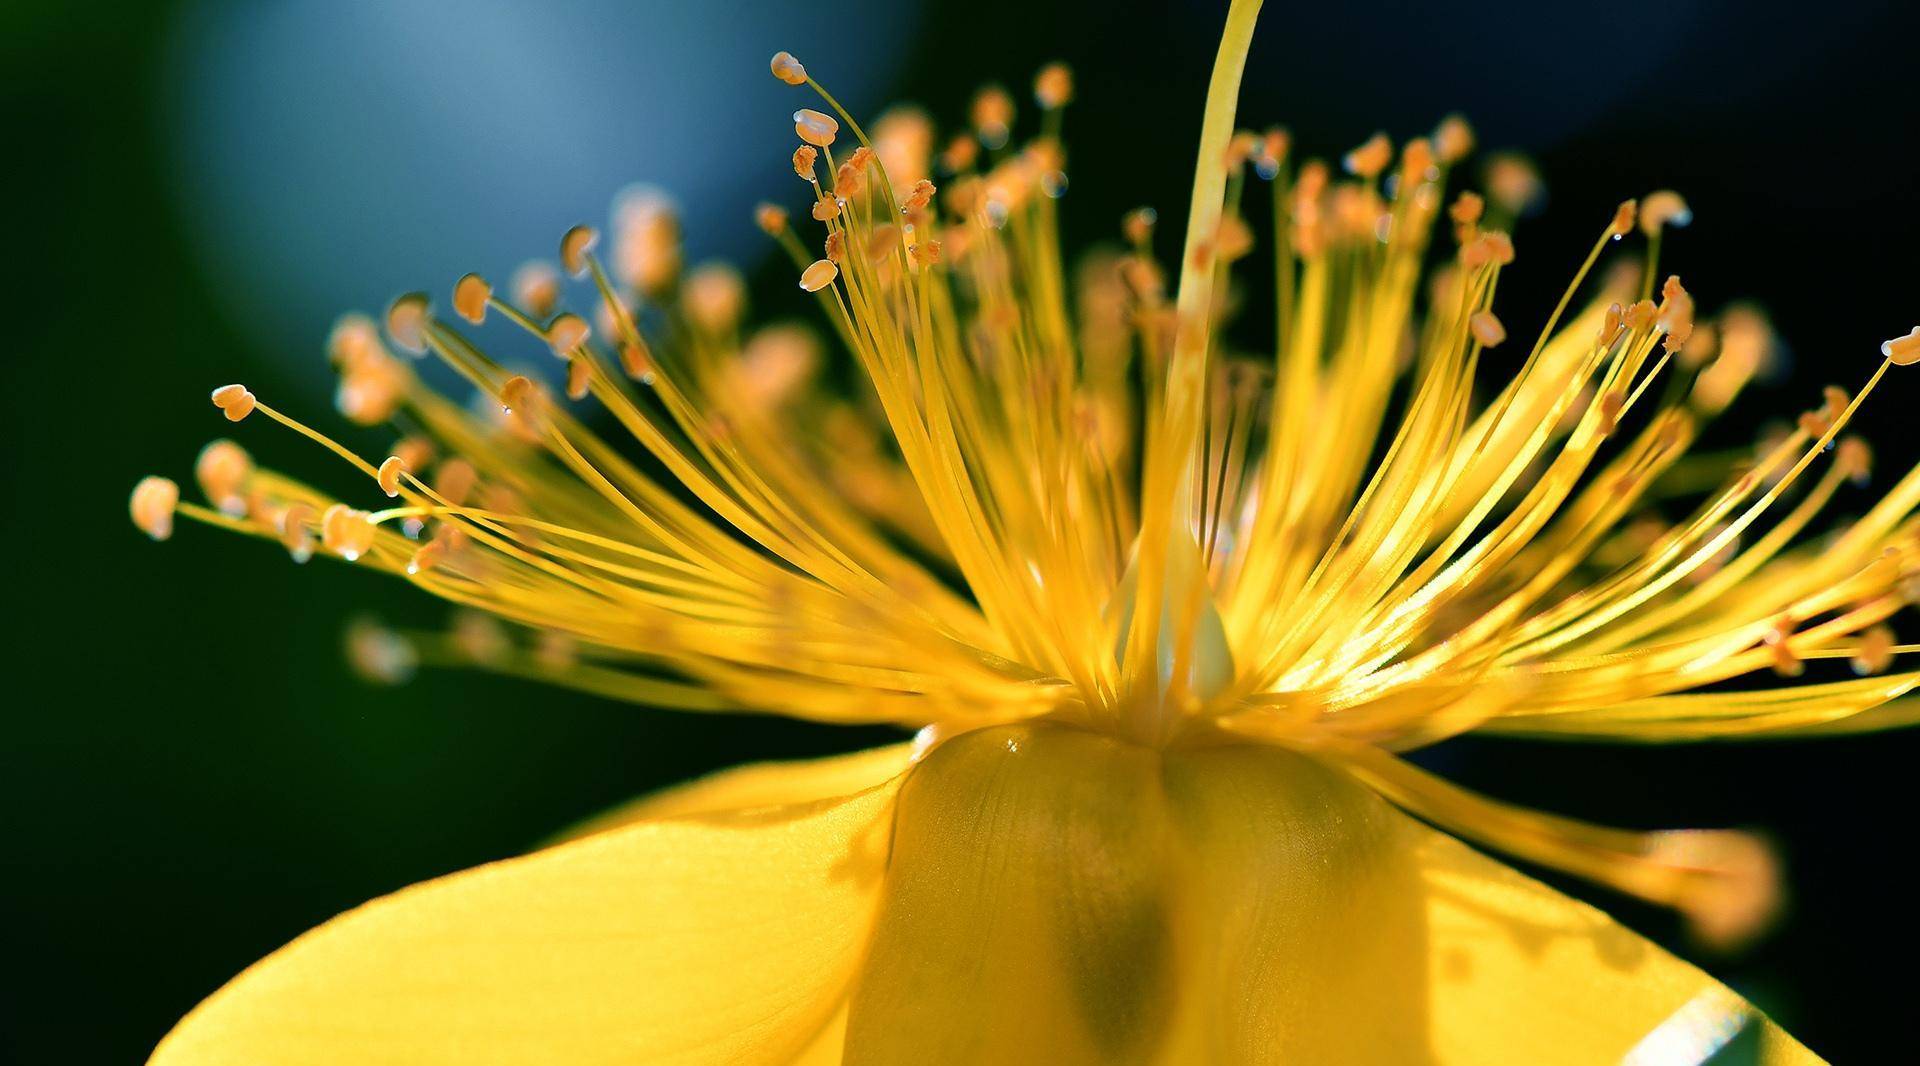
(725,940)
(1060,897)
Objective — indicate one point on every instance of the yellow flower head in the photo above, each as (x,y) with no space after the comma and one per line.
(1166,616)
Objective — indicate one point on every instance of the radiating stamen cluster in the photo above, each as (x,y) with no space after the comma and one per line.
(1074,498)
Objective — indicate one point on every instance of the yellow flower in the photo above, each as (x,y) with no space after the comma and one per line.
(1166,627)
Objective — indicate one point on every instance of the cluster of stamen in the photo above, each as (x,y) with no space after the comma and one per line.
(1069,496)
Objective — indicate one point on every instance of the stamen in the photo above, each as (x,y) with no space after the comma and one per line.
(1053,86)
(771,218)
(1487,329)
(993,116)
(378,654)
(223,470)
(1513,183)
(579,377)
(1452,140)
(1623,218)
(536,287)
(714,297)
(819,275)
(470,296)
(789,69)
(407,322)
(1903,351)
(235,401)
(804,158)
(1875,652)
(566,333)
(814,127)
(1368,160)
(1137,226)
(574,246)
(295,535)
(346,532)
(152,505)
(389,475)
(1661,209)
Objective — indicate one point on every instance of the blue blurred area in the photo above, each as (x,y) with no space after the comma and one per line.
(333,153)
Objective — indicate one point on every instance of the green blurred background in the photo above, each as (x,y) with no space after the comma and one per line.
(188,774)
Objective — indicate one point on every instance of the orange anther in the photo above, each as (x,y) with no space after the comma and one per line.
(836,246)
(1854,458)
(1903,351)
(788,69)
(566,333)
(295,535)
(819,275)
(634,360)
(455,479)
(407,322)
(1370,158)
(1875,651)
(919,196)
(1138,225)
(427,556)
(826,209)
(224,470)
(992,116)
(470,296)
(574,246)
(804,158)
(1467,208)
(1486,329)
(771,218)
(1786,661)
(1053,86)
(234,400)
(346,532)
(152,505)
(960,153)
(714,296)
(1623,216)
(1610,325)
(1641,315)
(389,475)
(1512,182)
(579,377)
(1663,208)
(1452,140)
(847,181)
(814,127)
(536,287)
(516,393)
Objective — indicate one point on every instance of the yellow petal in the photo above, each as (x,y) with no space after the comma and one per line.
(1026,916)
(681,942)
(1305,932)
(745,788)
(1059,897)
(1521,973)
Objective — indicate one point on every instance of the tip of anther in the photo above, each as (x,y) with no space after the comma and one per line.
(470,296)
(152,504)
(574,246)
(1903,351)
(1663,208)
(819,275)
(407,322)
(788,69)
(814,127)
(566,333)
(235,401)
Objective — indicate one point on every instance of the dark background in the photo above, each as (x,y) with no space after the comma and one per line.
(189,776)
